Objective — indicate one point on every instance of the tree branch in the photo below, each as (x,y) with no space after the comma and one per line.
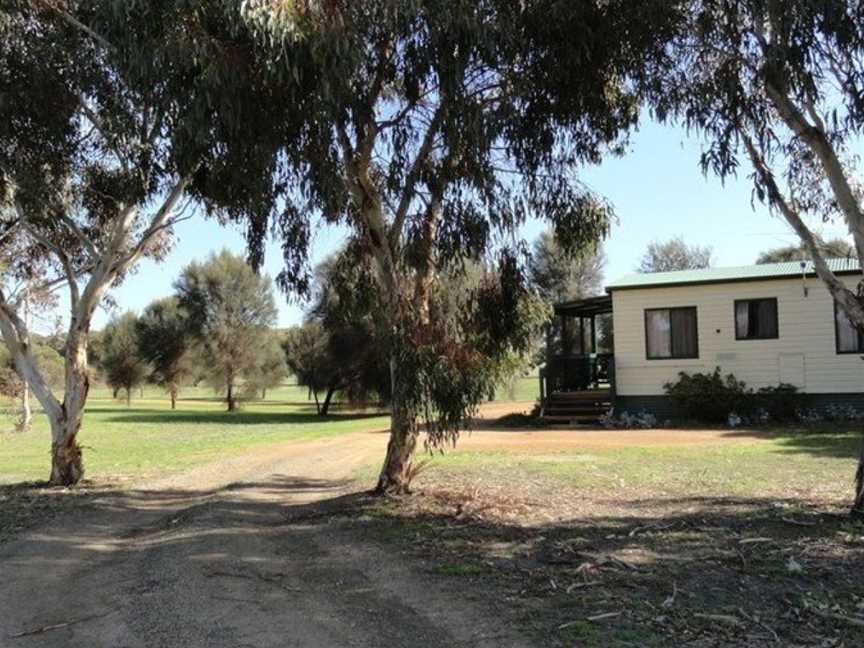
(77,24)
(414,176)
(845,297)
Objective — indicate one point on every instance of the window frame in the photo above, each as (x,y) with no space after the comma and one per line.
(860,350)
(695,310)
(756,299)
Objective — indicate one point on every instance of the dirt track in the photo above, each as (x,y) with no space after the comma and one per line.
(245,552)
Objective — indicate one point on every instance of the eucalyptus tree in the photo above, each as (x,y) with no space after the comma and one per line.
(779,85)
(165,341)
(122,364)
(106,112)
(231,310)
(674,254)
(430,129)
(559,276)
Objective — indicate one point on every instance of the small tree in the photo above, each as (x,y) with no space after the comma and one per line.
(122,364)
(270,367)
(308,354)
(231,310)
(837,248)
(560,276)
(674,254)
(164,341)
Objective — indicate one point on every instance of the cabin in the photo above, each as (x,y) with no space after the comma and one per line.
(766,324)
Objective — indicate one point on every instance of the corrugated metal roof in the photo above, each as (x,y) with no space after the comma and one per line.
(722,275)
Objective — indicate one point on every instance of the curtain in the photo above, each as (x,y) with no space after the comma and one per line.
(742,319)
(847,333)
(766,319)
(684,336)
(658,332)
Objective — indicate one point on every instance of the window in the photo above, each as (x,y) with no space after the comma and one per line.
(756,319)
(850,339)
(671,333)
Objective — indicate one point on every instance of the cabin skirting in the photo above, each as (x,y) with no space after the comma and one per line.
(664,408)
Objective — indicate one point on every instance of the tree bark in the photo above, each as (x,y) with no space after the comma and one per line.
(67,466)
(232,403)
(325,406)
(26,420)
(396,473)
(128,397)
(172,392)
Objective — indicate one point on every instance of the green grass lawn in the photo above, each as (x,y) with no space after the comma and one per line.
(150,439)
(810,463)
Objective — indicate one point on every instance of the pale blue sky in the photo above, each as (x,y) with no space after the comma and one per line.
(657,189)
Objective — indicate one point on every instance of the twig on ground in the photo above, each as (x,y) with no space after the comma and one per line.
(723,618)
(838,617)
(273,580)
(58,626)
(754,540)
(604,616)
(798,522)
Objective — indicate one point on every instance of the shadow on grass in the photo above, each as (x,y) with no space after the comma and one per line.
(242,417)
(840,440)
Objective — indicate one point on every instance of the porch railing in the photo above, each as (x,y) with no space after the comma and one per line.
(577,373)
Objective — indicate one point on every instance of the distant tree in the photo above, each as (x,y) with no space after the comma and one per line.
(270,367)
(308,354)
(674,254)
(837,248)
(164,340)
(122,364)
(561,276)
(231,309)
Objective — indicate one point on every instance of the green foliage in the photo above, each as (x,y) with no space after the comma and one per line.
(674,254)
(561,276)
(711,397)
(708,397)
(121,360)
(164,341)
(270,367)
(782,403)
(230,309)
(308,356)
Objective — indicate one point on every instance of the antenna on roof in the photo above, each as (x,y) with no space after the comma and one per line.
(804,278)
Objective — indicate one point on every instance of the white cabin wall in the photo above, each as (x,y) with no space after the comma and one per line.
(806,328)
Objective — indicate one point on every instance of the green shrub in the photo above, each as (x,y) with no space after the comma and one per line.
(782,402)
(711,397)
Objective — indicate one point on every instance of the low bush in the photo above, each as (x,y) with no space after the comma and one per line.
(715,398)
(709,397)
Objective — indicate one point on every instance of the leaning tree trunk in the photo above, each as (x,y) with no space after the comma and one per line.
(232,402)
(67,466)
(325,406)
(396,473)
(26,419)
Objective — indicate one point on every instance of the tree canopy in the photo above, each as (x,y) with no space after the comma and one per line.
(231,309)
(674,254)
(560,276)
(122,364)
(165,341)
